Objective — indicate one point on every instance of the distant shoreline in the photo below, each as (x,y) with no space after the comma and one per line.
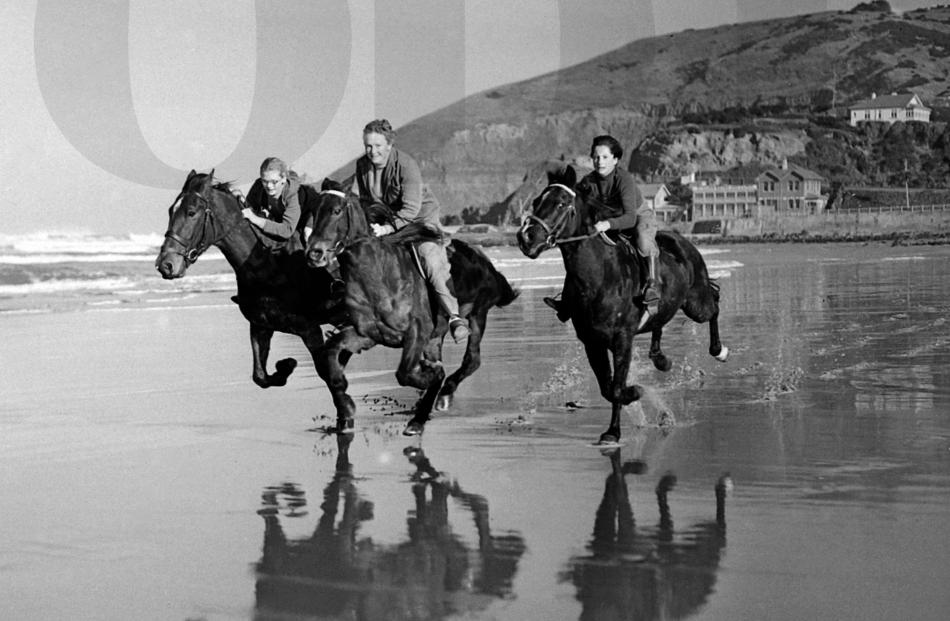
(902,238)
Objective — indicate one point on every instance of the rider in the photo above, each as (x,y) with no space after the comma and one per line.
(272,204)
(614,190)
(392,177)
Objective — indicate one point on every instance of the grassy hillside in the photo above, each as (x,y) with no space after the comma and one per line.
(476,151)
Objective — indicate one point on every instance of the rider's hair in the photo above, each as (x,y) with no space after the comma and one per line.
(274,163)
(607,141)
(382,127)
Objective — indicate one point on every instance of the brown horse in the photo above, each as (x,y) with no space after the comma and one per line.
(277,290)
(602,286)
(388,302)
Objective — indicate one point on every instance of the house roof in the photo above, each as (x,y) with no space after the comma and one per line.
(649,190)
(906,100)
(793,170)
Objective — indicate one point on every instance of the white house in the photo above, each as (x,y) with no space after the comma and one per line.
(890,109)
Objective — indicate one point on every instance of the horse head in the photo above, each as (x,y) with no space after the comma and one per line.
(552,214)
(199,218)
(338,220)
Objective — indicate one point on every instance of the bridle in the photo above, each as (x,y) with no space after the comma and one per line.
(554,231)
(198,244)
(343,242)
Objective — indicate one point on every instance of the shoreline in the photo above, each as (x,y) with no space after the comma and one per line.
(903,238)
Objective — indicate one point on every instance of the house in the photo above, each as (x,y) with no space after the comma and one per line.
(655,196)
(890,109)
(790,188)
(724,201)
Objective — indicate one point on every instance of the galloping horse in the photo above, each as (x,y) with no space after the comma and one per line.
(277,290)
(389,303)
(603,280)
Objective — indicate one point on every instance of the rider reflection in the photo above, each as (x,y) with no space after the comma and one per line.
(646,573)
(340,573)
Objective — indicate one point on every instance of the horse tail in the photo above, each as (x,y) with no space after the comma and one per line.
(702,298)
(503,293)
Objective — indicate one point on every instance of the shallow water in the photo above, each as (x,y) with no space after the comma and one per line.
(143,476)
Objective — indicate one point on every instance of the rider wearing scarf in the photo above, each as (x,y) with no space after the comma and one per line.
(610,194)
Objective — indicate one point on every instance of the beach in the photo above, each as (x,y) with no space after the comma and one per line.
(144,476)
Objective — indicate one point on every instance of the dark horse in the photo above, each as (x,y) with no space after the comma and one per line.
(389,304)
(438,568)
(603,285)
(277,290)
(632,572)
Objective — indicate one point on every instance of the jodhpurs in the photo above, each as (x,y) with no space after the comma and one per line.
(435,265)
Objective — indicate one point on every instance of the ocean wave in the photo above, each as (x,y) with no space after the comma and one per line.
(67,285)
(47,242)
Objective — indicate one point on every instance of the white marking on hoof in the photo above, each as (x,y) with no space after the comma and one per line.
(723,354)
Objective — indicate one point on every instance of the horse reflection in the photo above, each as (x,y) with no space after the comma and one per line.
(631,573)
(337,573)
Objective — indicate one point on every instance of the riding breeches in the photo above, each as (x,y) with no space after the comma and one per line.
(646,233)
(435,264)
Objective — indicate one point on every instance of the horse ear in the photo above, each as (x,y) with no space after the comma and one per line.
(326,185)
(562,173)
(211,175)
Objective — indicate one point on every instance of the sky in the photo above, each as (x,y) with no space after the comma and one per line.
(106,105)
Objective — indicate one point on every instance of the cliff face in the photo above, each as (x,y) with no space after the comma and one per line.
(476,151)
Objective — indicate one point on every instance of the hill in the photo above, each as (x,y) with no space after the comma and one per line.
(476,151)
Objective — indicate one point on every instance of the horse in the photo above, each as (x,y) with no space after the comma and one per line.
(388,302)
(277,290)
(602,285)
(340,572)
(633,572)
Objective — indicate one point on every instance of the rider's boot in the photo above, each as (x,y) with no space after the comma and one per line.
(559,306)
(651,296)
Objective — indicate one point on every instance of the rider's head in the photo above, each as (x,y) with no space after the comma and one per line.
(378,139)
(605,151)
(273,176)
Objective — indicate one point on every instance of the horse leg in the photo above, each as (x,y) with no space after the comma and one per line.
(260,348)
(620,393)
(426,375)
(702,305)
(716,348)
(660,361)
(470,361)
(330,361)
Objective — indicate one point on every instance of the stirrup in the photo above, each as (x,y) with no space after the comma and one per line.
(460,331)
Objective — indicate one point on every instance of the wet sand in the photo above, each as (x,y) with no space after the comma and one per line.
(143,476)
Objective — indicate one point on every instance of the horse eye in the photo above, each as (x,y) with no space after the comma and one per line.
(192,212)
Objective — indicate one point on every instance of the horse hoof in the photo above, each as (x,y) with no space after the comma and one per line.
(413,429)
(285,367)
(662,363)
(723,354)
(263,382)
(443,402)
(608,439)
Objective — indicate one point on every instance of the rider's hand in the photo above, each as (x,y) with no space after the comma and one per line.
(381,229)
(238,194)
(249,214)
(601,226)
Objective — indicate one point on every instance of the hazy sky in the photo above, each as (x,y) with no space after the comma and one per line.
(106,104)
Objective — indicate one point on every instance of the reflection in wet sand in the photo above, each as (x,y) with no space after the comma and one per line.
(631,573)
(336,573)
